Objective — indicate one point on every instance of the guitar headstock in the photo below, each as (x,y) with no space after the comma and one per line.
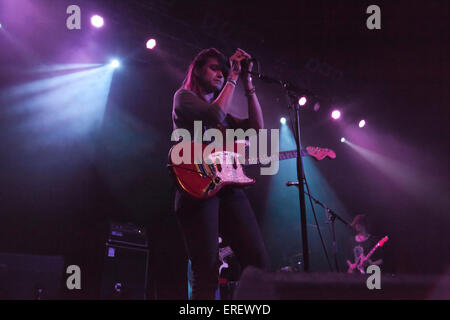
(383,241)
(320,153)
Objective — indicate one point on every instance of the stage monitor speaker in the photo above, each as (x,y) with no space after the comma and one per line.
(259,285)
(30,277)
(124,273)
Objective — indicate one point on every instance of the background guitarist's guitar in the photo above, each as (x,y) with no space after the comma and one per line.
(204,180)
(361,260)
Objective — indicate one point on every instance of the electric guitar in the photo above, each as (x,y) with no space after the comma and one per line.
(204,180)
(361,260)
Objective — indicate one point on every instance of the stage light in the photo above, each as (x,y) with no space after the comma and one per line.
(97,21)
(302,101)
(0,25)
(151,44)
(362,123)
(115,63)
(283,120)
(342,139)
(38,101)
(336,114)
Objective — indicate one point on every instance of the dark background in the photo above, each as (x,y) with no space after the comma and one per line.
(59,187)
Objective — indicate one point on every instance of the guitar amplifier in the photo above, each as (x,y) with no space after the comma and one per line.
(127,234)
(125,269)
(124,273)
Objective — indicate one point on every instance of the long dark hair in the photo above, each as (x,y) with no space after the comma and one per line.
(191,81)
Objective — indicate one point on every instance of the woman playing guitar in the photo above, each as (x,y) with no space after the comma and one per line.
(205,95)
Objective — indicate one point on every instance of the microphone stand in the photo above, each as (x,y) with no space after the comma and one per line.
(293,93)
(301,179)
(332,216)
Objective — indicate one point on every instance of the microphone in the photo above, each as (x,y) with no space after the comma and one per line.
(292,183)
(245,63)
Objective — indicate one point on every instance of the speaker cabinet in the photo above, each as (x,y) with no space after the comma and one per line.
(259,285)
(125,273)
(30,277)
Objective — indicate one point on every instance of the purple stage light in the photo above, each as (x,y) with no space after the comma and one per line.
(151,44)
(362,123)
(336,114)
(97,21)
(342,139)
(302,101)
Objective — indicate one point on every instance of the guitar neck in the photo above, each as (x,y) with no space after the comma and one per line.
(283,155)
(373,249)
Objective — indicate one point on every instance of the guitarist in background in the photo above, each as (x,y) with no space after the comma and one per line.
(363,242)
(205,95)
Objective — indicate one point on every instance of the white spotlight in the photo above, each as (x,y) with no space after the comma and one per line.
(283,120)
(151,44)
(336,114)
(342,139)
(302,101)
(97,21)
(115,63)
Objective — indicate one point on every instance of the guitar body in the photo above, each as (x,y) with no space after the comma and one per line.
(357,265)
(361,260)
(204,180)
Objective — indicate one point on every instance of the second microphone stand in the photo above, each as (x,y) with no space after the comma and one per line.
(332,216)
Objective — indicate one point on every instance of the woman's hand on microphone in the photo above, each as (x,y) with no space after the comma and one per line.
(236,64)
(246,67)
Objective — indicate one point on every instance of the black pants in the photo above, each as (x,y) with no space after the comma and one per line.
(200,221)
